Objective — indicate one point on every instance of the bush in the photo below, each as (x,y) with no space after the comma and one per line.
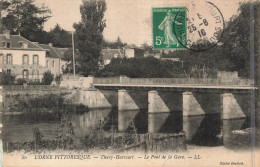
(58,79)
(6,79)
(20,81)
(47,78)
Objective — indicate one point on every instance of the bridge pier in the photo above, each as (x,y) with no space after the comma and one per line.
(201,103)
(94,98)
(235,105)
(159,102)
(132,100)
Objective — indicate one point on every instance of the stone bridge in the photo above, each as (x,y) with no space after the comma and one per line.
(193,96)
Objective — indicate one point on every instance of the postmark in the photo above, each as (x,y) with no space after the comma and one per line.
(205,26)
(165,19)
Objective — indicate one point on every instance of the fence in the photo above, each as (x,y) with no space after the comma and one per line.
(172,81)
(158,142)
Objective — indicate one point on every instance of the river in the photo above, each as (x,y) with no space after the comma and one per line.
(209,131)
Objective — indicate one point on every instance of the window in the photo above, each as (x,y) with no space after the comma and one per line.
(9,59)
(3,44)
(36,59)
(25,74)
(8,71)
(25,59)
(35,74)
(53,63)
(47,63)
(8,45)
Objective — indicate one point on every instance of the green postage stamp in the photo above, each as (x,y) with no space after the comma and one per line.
(169,28)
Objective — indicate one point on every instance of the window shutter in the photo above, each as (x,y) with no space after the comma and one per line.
(11,59)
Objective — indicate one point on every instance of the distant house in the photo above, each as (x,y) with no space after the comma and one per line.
(21,57)
(154,54)
(109,54)
(53,59)
(61,52)
(127,52)
(133,53)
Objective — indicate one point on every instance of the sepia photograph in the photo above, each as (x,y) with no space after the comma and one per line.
(145,83)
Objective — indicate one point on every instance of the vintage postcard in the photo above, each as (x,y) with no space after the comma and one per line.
(129,83)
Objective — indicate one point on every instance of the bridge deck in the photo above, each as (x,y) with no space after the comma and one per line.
(233,87)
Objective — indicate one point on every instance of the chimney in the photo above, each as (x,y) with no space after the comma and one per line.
(50,44)
(7,34)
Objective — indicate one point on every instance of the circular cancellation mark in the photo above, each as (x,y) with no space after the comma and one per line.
(205,26)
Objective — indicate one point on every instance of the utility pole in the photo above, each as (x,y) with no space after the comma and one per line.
(73,53)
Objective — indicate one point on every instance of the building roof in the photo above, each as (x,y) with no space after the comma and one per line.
(61,51)
(51,52)
(15,41)
(109,53)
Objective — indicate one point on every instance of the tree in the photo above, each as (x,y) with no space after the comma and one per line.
(60,37)
(3,10)
(25,18)
(141,68)
(236,38)
(88,36)
(114,45)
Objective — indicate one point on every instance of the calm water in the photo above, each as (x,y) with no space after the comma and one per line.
(200,130)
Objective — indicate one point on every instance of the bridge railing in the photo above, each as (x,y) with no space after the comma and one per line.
(108,80)
(173,81)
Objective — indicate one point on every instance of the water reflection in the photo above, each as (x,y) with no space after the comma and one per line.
(203,130)
(170,122)
(132,121)
(232,140)
(207,130)
(84,122)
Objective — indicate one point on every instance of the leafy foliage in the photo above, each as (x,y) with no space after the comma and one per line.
(88,36)
(60,37)
(6,79)
(113,45)
(142,68)
(25,18)
(47,78)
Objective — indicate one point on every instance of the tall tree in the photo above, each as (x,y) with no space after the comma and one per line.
(237,36)
(88,36)
(25,18)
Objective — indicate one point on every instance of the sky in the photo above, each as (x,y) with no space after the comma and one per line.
(131,20)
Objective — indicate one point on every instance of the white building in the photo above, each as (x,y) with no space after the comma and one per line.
(21,58)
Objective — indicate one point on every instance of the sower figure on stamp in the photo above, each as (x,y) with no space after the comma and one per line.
(167,26)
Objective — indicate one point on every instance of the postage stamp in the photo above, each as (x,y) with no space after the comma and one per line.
(165,21)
